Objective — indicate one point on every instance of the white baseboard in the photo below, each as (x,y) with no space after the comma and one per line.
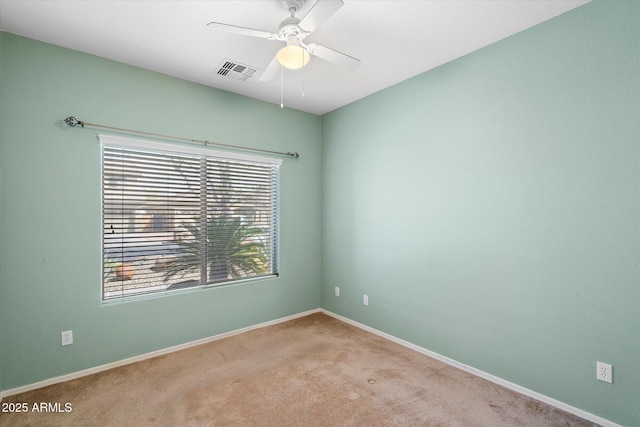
(496,380)
(90,371)
(511,386)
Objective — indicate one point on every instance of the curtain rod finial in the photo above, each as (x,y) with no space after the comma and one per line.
(73,122)
(294,155)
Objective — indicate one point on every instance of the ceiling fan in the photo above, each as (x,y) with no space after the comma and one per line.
(293,31)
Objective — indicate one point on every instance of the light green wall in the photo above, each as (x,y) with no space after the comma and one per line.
(490,209)
(50,218)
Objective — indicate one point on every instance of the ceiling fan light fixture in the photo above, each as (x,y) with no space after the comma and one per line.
(293,57)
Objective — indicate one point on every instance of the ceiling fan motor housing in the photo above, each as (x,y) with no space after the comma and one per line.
(289,27)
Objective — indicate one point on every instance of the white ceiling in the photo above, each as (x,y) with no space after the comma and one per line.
(394,40)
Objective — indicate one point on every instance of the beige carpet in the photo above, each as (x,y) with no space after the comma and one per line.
(312,371)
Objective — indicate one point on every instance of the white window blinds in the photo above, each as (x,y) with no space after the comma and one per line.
(177,217)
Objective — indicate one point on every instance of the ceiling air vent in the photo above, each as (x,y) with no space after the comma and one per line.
(235,70)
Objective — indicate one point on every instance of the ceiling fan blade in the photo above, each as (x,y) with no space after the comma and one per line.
(319,12)
(334,56)
(217,26)
(272,69)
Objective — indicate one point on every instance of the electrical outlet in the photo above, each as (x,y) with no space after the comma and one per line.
(604,372)
(67,337)
(337,291)
(365,299)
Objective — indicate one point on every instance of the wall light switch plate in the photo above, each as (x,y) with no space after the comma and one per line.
(365,299)
(337,291)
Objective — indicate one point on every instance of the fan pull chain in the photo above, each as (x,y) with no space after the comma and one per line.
(302,52)
(281,87)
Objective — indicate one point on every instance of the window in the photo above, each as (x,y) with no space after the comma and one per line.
(177,217)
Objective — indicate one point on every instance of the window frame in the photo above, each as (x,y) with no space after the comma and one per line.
(208,154)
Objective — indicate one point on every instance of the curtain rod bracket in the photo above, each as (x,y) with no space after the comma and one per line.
(73,122)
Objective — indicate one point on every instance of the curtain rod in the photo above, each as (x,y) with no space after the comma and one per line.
(73,122)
